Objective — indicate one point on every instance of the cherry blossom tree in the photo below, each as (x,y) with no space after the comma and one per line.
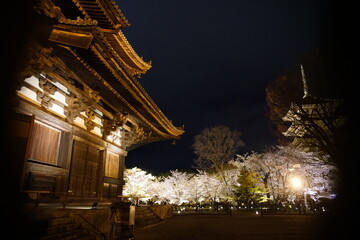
(279,165)
(276,168)
(197,193)
(211,186)
(138,183)
(174,188)
(181,187)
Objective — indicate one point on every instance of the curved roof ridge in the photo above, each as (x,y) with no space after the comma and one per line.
(136,59)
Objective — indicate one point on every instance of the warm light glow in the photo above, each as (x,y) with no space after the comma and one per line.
(80,122)
(97,131)
(57,109)
(27,93)
(296,183)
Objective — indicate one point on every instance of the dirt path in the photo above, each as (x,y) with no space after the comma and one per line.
(238,227)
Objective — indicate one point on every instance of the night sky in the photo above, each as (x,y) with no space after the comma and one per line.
(211,61)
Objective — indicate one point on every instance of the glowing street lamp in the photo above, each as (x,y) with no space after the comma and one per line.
(296,183)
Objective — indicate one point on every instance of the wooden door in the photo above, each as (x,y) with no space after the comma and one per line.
(92,168)
(113,177)
(84,170)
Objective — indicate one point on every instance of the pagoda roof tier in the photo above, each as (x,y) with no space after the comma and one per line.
(314,110)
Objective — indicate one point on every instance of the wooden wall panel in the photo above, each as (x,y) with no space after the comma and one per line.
(112,165)
(44,143)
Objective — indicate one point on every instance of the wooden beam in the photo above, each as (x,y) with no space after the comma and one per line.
(75,39)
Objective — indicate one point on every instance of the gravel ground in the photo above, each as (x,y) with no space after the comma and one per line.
(236,227)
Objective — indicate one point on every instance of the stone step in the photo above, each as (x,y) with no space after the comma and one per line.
(59,226)
(52,221)
(62,228)
(147,218)
(68,235)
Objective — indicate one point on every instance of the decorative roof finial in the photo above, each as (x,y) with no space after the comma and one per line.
(305,83)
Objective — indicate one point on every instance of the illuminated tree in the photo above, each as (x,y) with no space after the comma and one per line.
(212,187)
(251,177)
(174,188)
(181,187)
(138,183)
(250,189)
(278,165)
(215,147)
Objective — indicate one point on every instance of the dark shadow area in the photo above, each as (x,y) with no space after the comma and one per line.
(18,23)
(244,227)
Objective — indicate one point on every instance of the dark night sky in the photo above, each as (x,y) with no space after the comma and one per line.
(211,61)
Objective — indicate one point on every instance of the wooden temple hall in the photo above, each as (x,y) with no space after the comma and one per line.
(78,106)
